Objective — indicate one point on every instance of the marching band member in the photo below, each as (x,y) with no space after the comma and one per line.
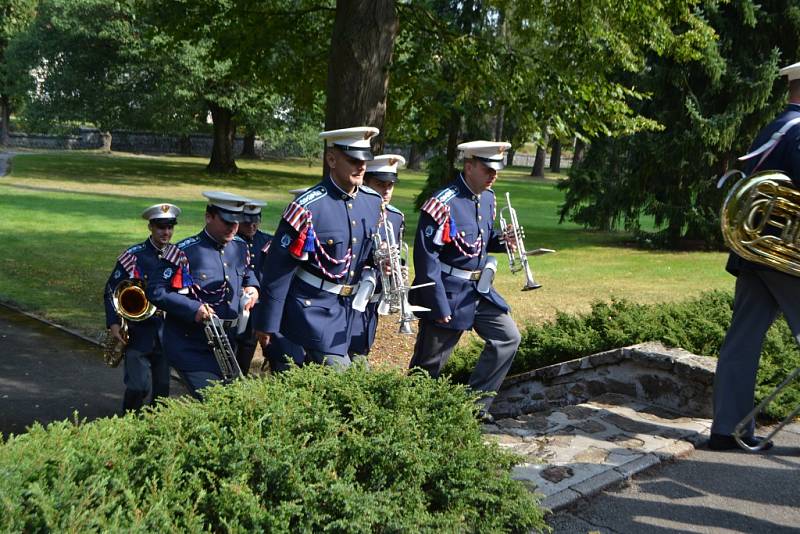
(454,235)
(761,292)
(256,241)
(146,367)
(321,246)
(203,275)
(381,176)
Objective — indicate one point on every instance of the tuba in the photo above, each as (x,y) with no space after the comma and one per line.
(761,221)
(131,304)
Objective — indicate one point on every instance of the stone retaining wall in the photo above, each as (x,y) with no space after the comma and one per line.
(672,378)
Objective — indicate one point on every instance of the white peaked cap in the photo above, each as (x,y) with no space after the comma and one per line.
(355,142)
(230,206)
(792,71)
(253,207)
(161,211)
(384,167)
(491,153)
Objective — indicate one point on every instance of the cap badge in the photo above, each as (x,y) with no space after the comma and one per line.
(164,208)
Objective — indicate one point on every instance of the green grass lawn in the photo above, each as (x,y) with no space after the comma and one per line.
(67,216)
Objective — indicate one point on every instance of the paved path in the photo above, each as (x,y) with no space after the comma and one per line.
(706,492)
(47,374)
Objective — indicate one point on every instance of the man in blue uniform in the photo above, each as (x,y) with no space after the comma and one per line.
(454,235)
(257,243)
(146,367)
(761,292)
(381,176)
(203,275)
(321,246)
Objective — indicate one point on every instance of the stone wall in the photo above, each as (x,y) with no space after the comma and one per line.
(672,378)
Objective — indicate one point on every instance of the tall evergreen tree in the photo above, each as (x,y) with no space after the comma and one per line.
(710,107)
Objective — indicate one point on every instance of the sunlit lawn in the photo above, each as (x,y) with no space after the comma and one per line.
(66,216)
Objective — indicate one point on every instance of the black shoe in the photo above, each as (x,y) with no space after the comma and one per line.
(485,417)
(721,442)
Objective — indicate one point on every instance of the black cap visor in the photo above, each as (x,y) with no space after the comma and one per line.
(357,152)
(251,218)
(229,216)
(496,164)
(163,220)
(382,176)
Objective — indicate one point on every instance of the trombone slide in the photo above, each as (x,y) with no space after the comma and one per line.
(742,429)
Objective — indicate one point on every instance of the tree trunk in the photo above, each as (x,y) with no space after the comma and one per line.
(222,159)
(414,157)
(185,145)
(510,156)
(249,145)
(5,116)
(362,44)
(498,126)
(580,151)
(538,163)
(555,156)
(453,129)
(106,139)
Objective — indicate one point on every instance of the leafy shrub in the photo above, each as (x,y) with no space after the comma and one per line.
(311,450)
(697,325)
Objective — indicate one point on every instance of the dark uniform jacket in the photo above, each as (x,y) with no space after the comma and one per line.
(456,228)
(366,324)
(327,233)
(784,158)
(198,270)
(137,262)
(256,252)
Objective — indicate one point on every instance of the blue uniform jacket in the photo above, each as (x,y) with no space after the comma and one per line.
(255,251)
(331,226)
(784,158)
(139,262)
(365,324)
(215,275)
(456,227)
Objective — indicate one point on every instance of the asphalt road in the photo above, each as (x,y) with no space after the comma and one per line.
(708,492)
(47,375)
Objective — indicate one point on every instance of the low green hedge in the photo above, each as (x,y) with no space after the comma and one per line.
(697,325)
(309,451)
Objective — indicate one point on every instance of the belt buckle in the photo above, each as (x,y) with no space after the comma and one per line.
(346,291)
(474,276)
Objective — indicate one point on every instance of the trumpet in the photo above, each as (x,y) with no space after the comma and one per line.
(518,259)
(743,427)
(131,304)
(389,259)
(221,347)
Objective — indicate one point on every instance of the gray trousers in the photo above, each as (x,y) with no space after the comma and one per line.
(435,345)
(758,298)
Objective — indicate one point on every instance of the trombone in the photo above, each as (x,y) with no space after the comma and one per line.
(518,259)
(743,427)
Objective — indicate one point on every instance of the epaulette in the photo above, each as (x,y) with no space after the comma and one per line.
(135,248)
(368,190)
(188,242)
(312,195)
(436,206)
(395,210)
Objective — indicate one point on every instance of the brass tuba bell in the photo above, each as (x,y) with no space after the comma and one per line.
(761,221)
(131,304)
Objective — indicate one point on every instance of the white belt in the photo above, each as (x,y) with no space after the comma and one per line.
(461,273)
(320,283)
